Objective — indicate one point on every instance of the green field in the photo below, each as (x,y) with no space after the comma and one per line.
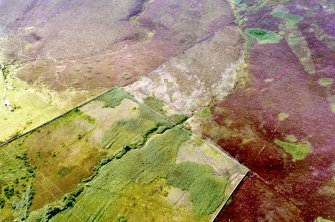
(114,159)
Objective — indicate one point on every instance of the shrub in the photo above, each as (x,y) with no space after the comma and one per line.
(9,192)
(2,203)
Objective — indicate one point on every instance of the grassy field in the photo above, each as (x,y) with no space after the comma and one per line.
(114,159)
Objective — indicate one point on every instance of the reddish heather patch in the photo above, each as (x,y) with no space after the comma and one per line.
(255,201)
(280,84)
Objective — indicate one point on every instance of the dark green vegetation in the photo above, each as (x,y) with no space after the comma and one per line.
(206,189)
(8,70)
(261,36)
(16,191)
